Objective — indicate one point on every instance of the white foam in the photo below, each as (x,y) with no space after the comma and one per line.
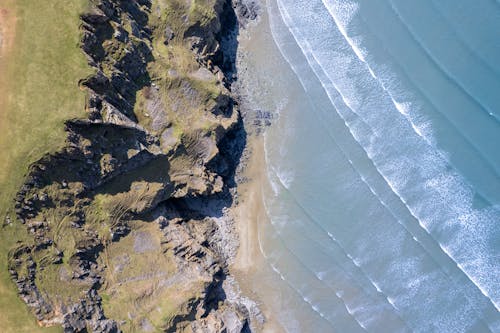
(331,236)
(421,126)
(322,274)
(280,106)
(356,262)
(285,176)
(417,208)
(373,154)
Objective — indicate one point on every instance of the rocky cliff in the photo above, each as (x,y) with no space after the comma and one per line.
(127,223)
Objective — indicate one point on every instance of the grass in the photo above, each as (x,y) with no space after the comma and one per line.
(42,91)
(178,56)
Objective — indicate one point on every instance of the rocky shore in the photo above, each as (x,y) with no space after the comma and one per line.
(129,225)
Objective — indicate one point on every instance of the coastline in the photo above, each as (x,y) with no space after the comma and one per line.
(250,209)
(249,267)
(259,108)
(248,214)
(269,92)
(192,244)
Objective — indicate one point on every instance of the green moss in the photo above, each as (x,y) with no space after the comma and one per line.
(51,283)
(202,12)
(178,132)
(140,108)
(115,49)
(137,284)
(209,90)
(106,299)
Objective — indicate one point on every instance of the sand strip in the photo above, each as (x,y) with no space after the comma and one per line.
(251,208)
(250,268)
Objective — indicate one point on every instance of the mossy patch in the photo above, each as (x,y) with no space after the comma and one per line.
(202,11)
(142,281)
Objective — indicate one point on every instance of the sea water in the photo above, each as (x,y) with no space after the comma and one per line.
(384,165)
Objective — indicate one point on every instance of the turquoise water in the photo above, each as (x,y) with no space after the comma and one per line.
(384,165)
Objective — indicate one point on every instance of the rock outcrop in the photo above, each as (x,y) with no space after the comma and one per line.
(126,223)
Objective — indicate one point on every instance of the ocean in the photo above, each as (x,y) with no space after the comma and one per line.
(383,163)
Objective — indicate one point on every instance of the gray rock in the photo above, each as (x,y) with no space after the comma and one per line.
(168,35)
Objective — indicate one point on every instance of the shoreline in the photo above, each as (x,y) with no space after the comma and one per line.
(249,265)
(250,209)
(250,268)
(267,87)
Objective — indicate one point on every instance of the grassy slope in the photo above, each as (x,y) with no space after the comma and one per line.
(42,75)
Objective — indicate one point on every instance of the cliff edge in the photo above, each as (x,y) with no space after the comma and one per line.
(127,224)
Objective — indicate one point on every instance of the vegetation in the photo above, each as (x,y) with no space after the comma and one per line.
(43,92)
(42,74)
(201,11)
(183,86)
(136,268)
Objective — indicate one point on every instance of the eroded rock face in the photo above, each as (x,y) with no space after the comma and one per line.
(124,222)
(246,10)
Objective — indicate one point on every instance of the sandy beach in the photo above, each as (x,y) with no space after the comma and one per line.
(255,276)
(251,211)
(250,268)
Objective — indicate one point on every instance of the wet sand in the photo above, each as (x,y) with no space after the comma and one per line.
(250,210)
(250,268)
(255,276)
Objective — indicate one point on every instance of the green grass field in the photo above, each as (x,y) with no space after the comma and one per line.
(41,76)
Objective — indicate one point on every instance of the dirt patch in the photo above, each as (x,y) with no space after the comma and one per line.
(7,32)
(144,241)
(7,37)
